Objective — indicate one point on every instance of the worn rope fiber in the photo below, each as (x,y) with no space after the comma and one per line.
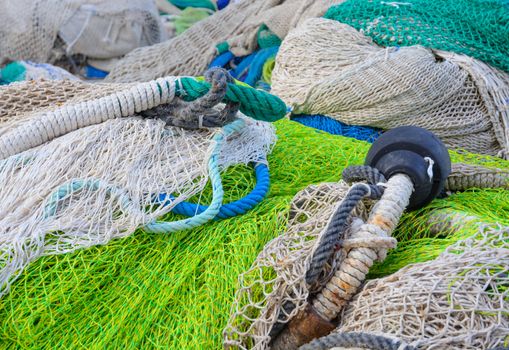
(356,340)
(329,241)
(457,301)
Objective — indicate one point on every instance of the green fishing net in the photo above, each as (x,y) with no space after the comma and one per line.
(151,291)
(477,28)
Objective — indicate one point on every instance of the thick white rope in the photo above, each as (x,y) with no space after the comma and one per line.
(61,121)
(368,244)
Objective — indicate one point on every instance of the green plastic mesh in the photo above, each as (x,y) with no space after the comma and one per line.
(175,291)
(477,28)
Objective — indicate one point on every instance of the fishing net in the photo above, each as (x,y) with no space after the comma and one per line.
(274,290)
(238,24)
(79,167)
(99,29)
(329,68)
(176,291)
(458,301)
(476,28)
(276,277)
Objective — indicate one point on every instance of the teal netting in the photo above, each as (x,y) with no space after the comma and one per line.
(477,28)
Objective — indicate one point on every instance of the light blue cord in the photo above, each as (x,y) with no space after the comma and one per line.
(227,210)
(217,189)
(208,214)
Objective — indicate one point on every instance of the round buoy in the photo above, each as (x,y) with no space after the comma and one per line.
(417,153)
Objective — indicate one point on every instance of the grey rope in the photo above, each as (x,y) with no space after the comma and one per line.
(199,113)
(279,326)
(329,242)
(465,176)
(356,340)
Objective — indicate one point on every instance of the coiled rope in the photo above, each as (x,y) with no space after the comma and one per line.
(338,223)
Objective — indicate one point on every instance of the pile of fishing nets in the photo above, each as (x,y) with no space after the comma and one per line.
(79,167)
(112,166)
(234,28)
(428,304)
(176,290)
(72,33)
(326,67)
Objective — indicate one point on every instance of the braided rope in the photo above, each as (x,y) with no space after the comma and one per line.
(464,176)
(61,121)
(232,209)
(338,222)
(357,340)
(364,248)
(141,97)
(201,218)
(257,104)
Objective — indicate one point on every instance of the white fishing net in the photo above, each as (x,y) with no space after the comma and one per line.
(191,52)
(95,28)
(329,68)
(78,167)
(276,278)
(458,301)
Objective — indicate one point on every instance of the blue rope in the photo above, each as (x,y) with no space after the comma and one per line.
(222,60)
(228,210)
(335,127)
(242,67)
(201,218)
(217,189)
(256,66)
(221,4)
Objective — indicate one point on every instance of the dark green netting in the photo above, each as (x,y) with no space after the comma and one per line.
(477,28)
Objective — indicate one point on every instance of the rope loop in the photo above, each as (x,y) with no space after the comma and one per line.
(335,231)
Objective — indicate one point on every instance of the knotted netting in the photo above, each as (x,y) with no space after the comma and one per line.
(329,68)
(459,300)
(94,28)
(274,289)
(237,25)
(476,28)
(80,167)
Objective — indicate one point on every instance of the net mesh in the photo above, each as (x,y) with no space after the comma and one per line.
(326,67)
(99,181)
(276,277)
(191,52)
(476,28)
(176,291)
(455,300)
(458,301)
(94,28)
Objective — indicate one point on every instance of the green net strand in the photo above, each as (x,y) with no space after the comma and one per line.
(266,38)
(190,16)
(14,71)
(477,28)
(254,103)
(206,4)
(156,291)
